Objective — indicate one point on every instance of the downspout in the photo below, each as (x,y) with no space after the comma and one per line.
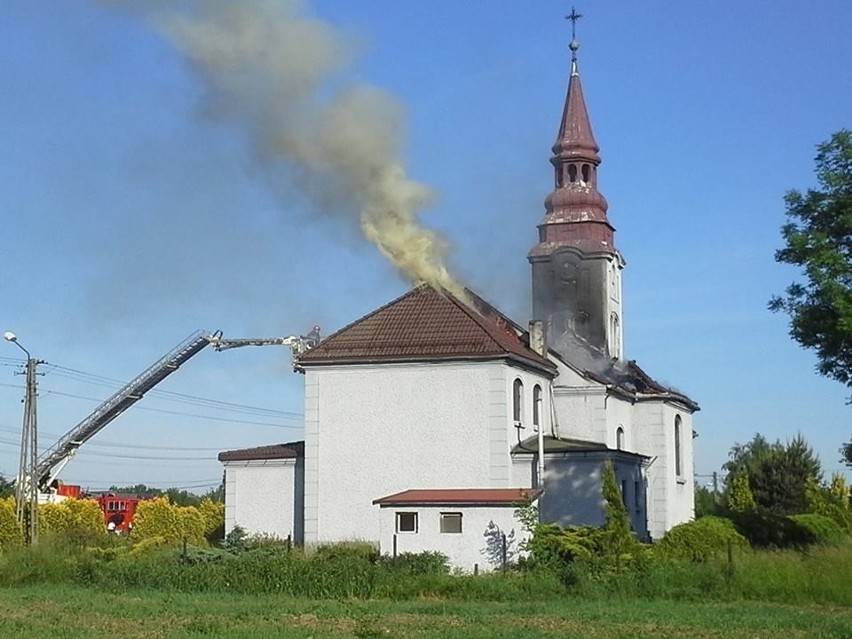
(538,343)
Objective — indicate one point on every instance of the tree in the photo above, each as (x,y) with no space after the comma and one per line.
(818,238)
(618,537)
(740,498)
(777,474)
(846,451)
(7,488)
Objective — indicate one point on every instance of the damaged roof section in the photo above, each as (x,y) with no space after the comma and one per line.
(630,378)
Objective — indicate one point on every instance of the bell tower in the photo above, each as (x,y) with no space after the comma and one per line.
(576,269)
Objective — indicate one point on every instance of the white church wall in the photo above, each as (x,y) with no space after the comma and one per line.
(374,430)
(620,414)
(670,495)
(477,547)
(581,411)
(264,497)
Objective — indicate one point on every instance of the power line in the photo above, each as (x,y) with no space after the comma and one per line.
(75,374)
(181,414)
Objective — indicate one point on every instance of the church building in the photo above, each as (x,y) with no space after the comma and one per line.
(431,420)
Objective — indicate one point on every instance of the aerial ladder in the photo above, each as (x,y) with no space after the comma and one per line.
(51,462)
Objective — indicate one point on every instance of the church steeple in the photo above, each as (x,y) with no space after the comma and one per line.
(575,210)
(576,267)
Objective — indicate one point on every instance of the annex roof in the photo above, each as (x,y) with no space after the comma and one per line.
(427,324)
(567,445)
(461,497)
(291,450)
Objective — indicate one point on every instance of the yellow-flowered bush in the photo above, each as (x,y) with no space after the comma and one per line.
(161,518)
(74,519)
(213,513)
(10,532)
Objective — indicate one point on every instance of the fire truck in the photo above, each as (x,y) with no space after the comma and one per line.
(120,509)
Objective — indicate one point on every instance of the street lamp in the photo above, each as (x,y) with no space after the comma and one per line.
(26,487)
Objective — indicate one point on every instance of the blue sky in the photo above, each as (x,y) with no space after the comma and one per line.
(131,218)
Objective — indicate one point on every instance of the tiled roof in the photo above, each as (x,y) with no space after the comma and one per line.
(291,450)
(460,497)
(427,325)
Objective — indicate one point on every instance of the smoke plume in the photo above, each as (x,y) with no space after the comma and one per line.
(277,73)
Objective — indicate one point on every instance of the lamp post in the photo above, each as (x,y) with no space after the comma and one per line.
(26,486)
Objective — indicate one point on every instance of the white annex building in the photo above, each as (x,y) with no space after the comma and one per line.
(429,421)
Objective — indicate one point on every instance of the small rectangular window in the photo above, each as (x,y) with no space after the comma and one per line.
(624,492)
(451,522)
(406,522)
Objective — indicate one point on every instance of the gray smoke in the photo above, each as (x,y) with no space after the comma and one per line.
(275,72)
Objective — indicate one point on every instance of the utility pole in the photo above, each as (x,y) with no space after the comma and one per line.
(26,486)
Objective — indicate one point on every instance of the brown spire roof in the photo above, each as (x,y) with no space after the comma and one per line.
(427,325)
(575,138)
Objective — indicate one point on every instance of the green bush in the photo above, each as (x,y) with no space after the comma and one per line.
(551,544)
(700,539)
(824,529)
(765,530)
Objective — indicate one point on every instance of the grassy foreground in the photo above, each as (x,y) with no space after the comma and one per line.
(77,612)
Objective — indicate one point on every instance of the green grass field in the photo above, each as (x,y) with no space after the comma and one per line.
(72,612)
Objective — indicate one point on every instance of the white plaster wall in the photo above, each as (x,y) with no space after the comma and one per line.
(671,498)
(581,411)
(466,550)
(371,431)
(620,414)
(260,496)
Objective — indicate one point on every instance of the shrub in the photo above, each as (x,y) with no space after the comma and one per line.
(700,539)
(160,518)
(213,516)
(830,502)
(79,521)
(824,529)
(765,530)
(552,544)
(11,535)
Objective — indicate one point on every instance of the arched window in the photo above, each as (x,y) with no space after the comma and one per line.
(677,451)
(619,438)
(517,401)
(536,405)
(572,172)
(586,173)
(615,335)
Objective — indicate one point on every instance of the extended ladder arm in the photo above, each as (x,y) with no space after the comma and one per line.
(54,459)
(299,343)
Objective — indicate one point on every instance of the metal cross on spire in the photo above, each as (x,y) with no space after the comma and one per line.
(573,17)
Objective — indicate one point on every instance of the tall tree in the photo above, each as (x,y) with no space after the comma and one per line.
(777,474)
(818,238)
